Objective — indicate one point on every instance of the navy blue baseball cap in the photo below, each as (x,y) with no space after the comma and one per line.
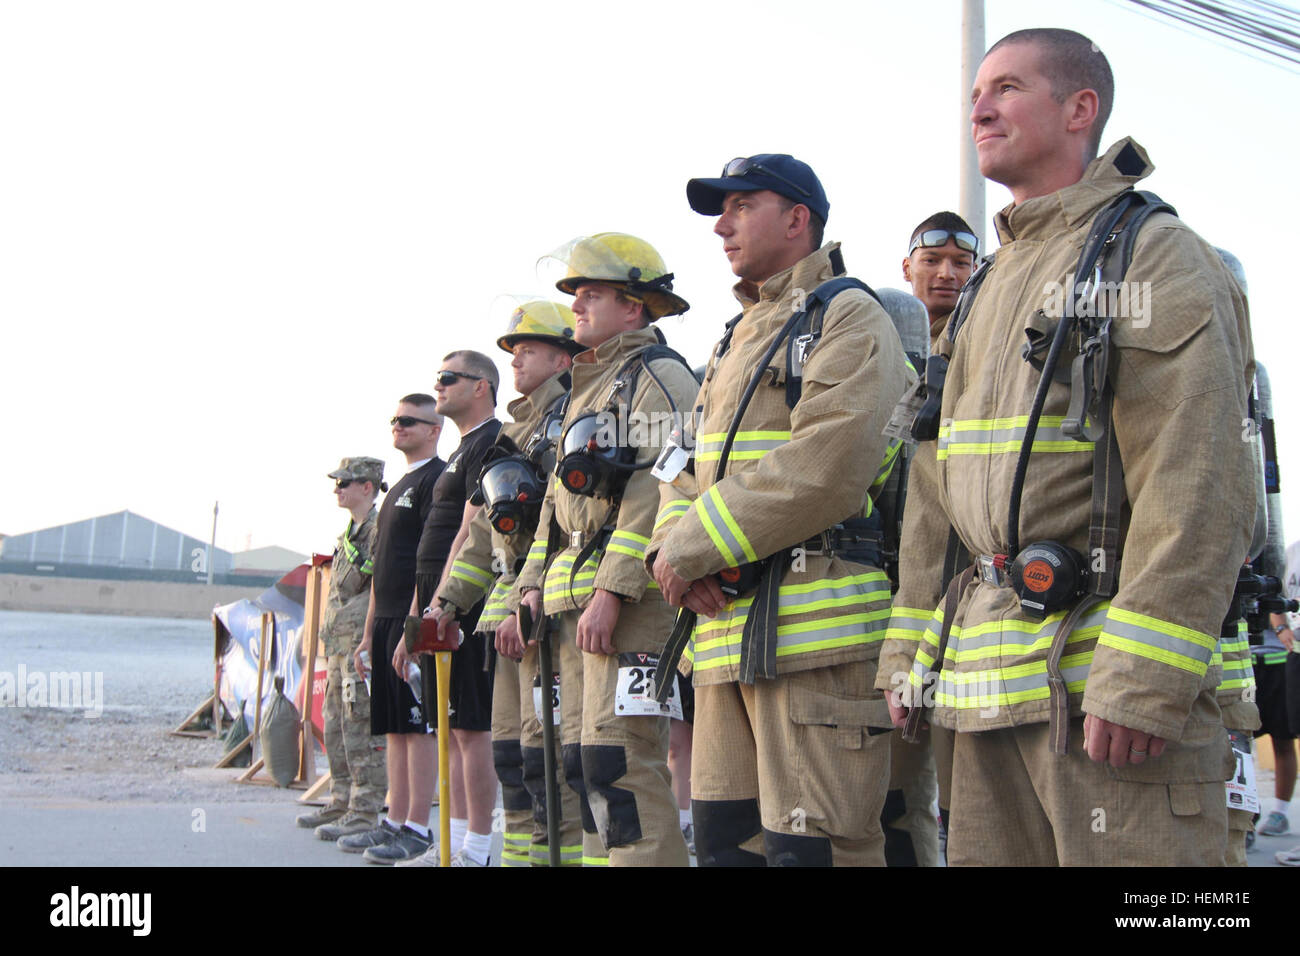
(779,172)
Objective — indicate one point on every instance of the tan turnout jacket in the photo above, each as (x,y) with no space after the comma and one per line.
(791,474)
(618,567)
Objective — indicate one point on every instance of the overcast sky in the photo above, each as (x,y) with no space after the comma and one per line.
(233,234)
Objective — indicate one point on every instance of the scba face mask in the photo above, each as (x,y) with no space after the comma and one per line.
(511,489)
(592,462)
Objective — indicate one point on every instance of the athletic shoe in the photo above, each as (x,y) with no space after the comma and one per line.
(361,842)
(1276,825)
(688,834)
(405,845)
(310,821)
(350,825)
(1289,857)
(464,859)
(430,857)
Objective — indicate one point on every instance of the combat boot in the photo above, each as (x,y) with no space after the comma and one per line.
(350,825)
(327,814)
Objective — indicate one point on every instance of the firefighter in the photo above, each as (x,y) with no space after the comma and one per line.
(792,752)
(1076,665)
(586,570)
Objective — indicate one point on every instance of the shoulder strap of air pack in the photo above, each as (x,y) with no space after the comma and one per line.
(1105,259)
(807,330)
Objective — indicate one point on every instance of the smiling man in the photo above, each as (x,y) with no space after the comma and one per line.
(940,258)
(1087,731)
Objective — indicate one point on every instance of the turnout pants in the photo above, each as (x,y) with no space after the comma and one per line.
(508,758)
(534,760)
(630,816)
(1015,803)
(911,828)
(358,780)
(785,772)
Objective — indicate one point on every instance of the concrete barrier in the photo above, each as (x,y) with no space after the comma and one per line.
(20,592)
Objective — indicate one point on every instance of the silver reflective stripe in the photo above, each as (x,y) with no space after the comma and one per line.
(735,551)
(1157,639)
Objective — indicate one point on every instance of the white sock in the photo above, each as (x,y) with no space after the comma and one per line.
(395,824)
(1282,806)
(458,830)
(477,845)
(420,828)
(683,817)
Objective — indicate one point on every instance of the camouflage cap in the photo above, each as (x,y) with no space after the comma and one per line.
(360,469)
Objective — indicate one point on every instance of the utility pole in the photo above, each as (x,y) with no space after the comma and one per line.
(212,546)
(972,182)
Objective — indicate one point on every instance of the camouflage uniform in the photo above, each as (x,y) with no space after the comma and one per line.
(358,780)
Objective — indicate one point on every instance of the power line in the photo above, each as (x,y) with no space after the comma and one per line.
(1264,26)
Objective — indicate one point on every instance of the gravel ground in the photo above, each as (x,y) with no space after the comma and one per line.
(155,672)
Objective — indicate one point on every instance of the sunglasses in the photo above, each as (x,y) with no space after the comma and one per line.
(447,378)
(740,166)
(408,421)
(343,483)
(938,237)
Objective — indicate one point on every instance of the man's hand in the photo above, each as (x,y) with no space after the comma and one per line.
(703,596)
(507,639)
(897,709)
(1118,745)
(365,645)
(1287,638)
(401,659)
(448,622)
(533,601)
(596,626)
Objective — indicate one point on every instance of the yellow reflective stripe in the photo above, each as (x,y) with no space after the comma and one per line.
(747,436)
(672,509)
(629,543)
(731,523)
(747,446)
(887,465)
(707,523)
(595,860)
(537,552)
(1157,640)
(992,436)
(474,575)
(907,623)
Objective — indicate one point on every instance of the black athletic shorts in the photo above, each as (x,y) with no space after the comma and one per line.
(472,671)
(393,707)
(1271,698)
(1292,666)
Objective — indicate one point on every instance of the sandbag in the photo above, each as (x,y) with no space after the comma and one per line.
(279,737)
(235,734)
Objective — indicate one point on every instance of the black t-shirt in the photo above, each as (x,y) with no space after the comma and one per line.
(453,488)
(401,521)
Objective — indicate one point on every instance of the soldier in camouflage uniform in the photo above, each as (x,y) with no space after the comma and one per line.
(356,759)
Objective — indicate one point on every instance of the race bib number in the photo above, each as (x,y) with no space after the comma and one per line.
(555,699)
(635,692)
(1241,791)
